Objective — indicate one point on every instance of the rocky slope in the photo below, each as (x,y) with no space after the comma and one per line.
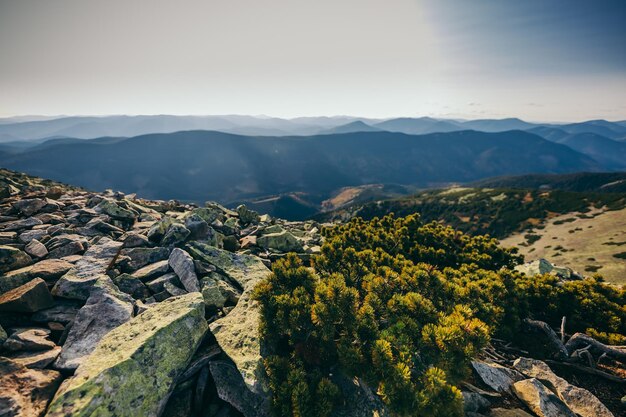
(115,305)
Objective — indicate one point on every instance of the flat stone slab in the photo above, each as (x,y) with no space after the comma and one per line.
(77,282)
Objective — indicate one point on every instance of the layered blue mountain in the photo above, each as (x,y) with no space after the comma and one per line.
(209,165)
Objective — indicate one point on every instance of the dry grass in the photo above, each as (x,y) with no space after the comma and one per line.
(575,243)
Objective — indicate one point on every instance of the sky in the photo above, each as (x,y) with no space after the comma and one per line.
(540,60)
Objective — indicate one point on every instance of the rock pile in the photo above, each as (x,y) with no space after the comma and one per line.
(114,305)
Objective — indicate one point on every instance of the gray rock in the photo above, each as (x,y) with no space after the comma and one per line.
(12,258)
(3,336)
(20,224)
(473,402)
(135,240)
(111,208)
(217,292)
(29,206)
(105,309)
(540,400)
(283,242)
(497,377)
(140,257)
(157,285)
(25,392)
(36,249)
(77,282)
(232,389)
(152,270)
(579,400)
(177,233)
(132,286)
(173,290)
(182,264)
(247,216)
(513,412)
(65,245)
(62,312)
(27,236)
(28,298)
(29,339)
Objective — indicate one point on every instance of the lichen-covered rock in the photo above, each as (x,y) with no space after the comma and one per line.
(28,298)
(217,292)
(12,258)
(105,309)
(111,208)
(579,400)
(132,286)
(25,392)
(540,400)
(237,333)
(77,282)
(283,241)
(133,369)
(247,216)
(177,233)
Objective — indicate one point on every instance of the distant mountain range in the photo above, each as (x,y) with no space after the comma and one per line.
(34,128)
(208,165)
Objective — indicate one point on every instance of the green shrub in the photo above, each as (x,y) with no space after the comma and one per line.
(405,306)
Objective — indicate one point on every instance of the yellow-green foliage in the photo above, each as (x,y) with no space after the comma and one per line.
(404,306)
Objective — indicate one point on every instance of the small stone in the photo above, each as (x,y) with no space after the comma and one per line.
(36,249)
(28,298)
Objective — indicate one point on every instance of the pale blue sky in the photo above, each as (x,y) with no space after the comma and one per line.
(541,60)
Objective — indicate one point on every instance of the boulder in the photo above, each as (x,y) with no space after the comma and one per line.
(29,339)
(579,400)
(29,206)
(135,240)
(474,402)
(140,257)
(12,258)
(20,224)
(151,271)
(540,400)
(28,298)
(48,269)
(77,282)
(36,249)
(247,216)
(157,285)
(29,235)
(64,245)
(182,264)
(283,241)
(497,377)
(232,389)
(105,309)
(25,392)
(111,208)
(177,233)
(63,311)
(543,266)
(136,364)
(132,286)
(37,360)
(237,333)
(217,292)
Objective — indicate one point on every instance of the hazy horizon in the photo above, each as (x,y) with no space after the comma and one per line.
(557,61)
